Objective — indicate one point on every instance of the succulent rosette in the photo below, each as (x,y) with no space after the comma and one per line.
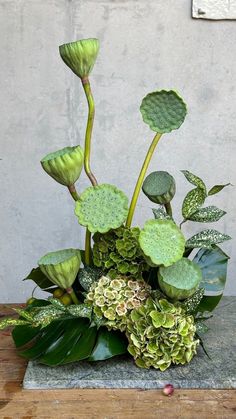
(113,299)
(64,165)
(80,56)
(161,334)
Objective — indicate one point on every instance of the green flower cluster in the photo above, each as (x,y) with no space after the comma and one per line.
(161,333)
(113,299)
(118,253)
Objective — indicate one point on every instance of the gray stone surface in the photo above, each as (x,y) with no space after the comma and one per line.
(219,372)
(146,45)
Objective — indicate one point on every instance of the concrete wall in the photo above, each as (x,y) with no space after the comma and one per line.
(145,45)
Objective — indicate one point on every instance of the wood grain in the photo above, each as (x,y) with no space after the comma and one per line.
(103,404)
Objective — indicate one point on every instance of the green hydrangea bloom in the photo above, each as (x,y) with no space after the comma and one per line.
(161,334)
(113,299)
(118,253)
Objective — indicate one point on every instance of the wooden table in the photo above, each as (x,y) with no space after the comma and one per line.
(103,404)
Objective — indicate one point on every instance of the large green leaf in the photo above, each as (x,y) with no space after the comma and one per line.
(39,278)
(213,263)
(109,344)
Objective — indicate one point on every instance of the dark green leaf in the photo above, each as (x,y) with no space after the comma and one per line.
(195,180)
(206,239)
(109,344)
(193,200)
(50,334)
(57,352)
(24,334)
(209,303)
(217,188)
(84,346)
(207,215)
(39,278)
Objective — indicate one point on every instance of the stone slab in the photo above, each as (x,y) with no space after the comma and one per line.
(219,372)
(214,9)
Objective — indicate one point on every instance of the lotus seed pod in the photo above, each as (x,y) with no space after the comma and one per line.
(80,56)
(180,280)
(162,241)
(113,299)
(163,110)
(159,187)
(61,267)
(161,334)
(64,165)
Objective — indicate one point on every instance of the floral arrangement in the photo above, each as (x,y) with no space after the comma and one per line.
(135,290)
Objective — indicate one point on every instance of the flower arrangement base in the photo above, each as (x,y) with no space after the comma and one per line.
(219,372)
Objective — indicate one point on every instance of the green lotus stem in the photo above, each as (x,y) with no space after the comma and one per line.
(89,128)
(73,192)
(87,152)
(168,209)
(87,247)
(71,292)
(141,179)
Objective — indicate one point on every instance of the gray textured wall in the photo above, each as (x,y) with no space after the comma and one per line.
(145,45)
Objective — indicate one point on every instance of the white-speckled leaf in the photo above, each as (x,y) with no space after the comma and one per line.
(207,215)
(194,180)
(193,200)
(206,239)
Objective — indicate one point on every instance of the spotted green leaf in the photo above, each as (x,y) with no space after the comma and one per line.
(163,110)
(207,215)
(206,239)
(193,200)
(160,214)
(217,188)
(195,180)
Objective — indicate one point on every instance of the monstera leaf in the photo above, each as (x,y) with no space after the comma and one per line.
(163,111)
(180,280)
(206,239)
(162,241)
(159,187)
(213,263)
(102,208)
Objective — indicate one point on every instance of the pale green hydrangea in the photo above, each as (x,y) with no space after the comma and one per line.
(161,334)
(114,299)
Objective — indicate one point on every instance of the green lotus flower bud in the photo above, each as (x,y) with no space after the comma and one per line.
(61,267)
(64,165)
(159,187)
(80,56)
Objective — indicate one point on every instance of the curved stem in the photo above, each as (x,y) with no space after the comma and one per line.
(168,209)
(141,179)
(87,247)
(89,128)
(73,192)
